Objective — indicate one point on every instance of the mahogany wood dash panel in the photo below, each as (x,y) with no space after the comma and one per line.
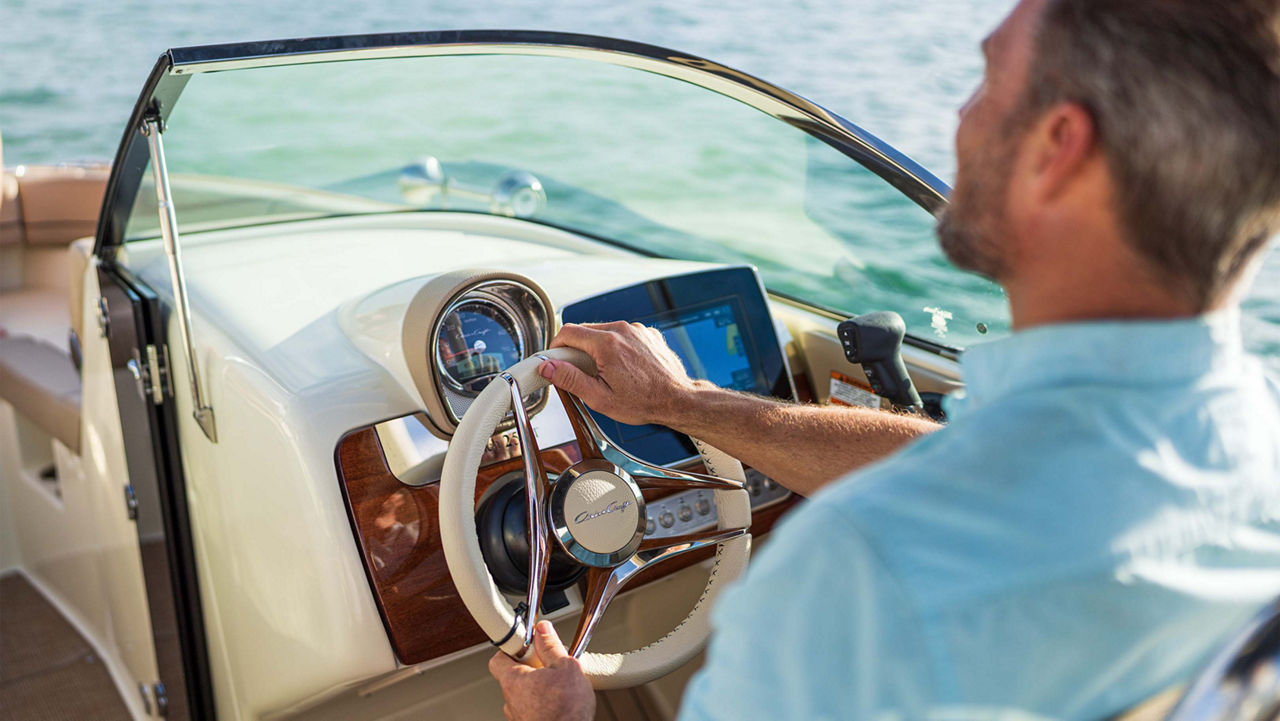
(396,529)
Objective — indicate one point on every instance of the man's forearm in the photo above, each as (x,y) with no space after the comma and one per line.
(639,380)
(803,447)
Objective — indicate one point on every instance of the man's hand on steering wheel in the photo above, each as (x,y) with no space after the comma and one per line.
(558,691)
(639,378)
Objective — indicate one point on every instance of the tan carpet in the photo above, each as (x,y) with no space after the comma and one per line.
(47,671)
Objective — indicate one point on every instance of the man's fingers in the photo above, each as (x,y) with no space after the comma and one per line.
(546,642)
(557,690)
(502,667)
(582,337)
(568,377)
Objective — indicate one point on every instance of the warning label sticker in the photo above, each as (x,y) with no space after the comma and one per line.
(845,391)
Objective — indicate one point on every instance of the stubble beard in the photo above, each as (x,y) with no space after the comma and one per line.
(972,230)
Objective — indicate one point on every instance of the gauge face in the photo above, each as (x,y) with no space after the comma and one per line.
(477,340)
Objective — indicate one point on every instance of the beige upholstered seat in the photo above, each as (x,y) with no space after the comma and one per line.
(43,386)
(42,210)
(37,312)
(60,204)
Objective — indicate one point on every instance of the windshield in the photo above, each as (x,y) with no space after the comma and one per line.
(656,164)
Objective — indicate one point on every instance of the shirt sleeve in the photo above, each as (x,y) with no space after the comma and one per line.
(818,629)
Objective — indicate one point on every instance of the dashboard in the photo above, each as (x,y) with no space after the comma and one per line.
(328,422)
(457,331)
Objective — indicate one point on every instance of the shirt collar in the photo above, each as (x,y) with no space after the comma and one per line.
(1120,352)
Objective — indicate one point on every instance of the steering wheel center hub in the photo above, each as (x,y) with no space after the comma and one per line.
(597,513)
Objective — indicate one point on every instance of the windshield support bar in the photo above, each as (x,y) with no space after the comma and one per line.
(152,127)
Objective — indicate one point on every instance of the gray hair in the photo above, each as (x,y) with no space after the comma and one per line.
(1186,98)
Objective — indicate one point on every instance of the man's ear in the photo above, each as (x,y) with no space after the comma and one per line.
(1064,141)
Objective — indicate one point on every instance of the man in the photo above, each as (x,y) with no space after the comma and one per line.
(1103,508)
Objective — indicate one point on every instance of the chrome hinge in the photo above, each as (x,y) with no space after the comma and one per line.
(104,317)
(151,373)
(162,700)
(144,690)
(131,502)
(153,695)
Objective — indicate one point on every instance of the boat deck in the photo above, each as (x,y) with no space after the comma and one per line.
(48,672)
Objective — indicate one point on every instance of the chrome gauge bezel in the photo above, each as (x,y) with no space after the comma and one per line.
(530,322)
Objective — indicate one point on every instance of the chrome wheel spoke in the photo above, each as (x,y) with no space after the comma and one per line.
(608,572)
(648,475)
(537,490)
(679,480)
(591,442)
(656,550)
(603,584)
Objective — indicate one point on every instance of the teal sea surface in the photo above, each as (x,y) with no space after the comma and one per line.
(70,71)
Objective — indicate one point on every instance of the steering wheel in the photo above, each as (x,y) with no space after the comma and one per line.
(595,513)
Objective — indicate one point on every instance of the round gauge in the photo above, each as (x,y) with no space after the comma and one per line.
(477,340)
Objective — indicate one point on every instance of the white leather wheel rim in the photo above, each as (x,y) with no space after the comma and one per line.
(487,604)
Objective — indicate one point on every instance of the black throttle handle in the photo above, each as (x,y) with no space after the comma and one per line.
(874,341)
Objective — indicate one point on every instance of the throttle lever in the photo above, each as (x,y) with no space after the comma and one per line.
(874,341)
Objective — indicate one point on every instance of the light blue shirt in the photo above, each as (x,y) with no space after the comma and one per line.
(1101,513)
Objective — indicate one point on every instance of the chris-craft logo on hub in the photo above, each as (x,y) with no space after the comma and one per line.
(613,507)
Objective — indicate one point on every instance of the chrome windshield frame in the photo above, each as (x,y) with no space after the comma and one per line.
(176,66)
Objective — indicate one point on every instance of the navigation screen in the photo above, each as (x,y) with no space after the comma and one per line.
(716,321)
(709,341)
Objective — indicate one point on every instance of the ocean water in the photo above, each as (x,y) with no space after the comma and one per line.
(70,71)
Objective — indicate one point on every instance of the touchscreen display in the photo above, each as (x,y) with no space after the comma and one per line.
(716,321)
(709,341)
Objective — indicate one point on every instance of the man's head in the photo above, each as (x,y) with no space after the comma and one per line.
(1155,122)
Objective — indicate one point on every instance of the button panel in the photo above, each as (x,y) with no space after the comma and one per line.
(695,510)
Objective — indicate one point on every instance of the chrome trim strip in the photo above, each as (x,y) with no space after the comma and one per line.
(203,413)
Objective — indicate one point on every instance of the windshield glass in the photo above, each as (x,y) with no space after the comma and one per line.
(640,159)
